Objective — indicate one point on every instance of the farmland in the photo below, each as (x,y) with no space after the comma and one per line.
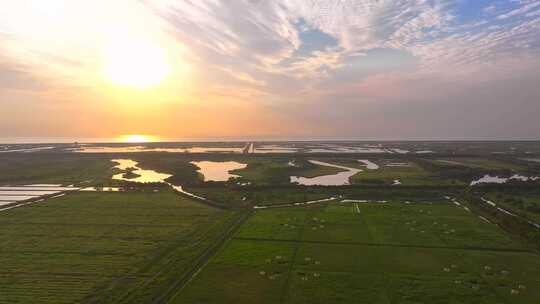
(376,253)
(102,248)
(260,238)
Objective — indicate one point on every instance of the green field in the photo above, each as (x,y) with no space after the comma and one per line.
(248,197)
(483,163)
(265,171)
(148,244)
(412,174)
(524,203)
(385,253)
(102,248)
(55,169)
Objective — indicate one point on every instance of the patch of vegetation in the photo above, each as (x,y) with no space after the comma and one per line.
(260,196)
(102,247)
(374,252)
(69,168)
(179,166)
(130,174)
(479,162)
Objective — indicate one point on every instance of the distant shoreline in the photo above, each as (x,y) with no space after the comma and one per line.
(66,140)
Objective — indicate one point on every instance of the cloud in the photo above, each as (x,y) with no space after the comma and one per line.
(324,61)
(526,7)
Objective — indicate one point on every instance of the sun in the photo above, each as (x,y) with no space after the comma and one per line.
(135,62)
(136,138)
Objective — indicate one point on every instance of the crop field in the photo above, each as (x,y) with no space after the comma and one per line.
(368,253)
(431,238)
(102,247)
(410,174)
(524,203)
(65,169)
(483,163)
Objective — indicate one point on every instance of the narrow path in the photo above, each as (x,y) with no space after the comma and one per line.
(384,244)
(285,290)
(202,260)
(324,200)
(248,148)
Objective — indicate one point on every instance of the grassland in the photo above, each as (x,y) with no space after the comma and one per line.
(103,247)
(143,247)
(251,196)
(409,173)
(478,162)
(412,174)
(265,171)
(376,253)
(524,203)
(54,168)
(278,170)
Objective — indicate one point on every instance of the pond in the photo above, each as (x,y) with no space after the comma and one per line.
(218,171)
(369,164)
(338,179)
(144,176)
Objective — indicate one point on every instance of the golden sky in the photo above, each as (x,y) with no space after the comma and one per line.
(269,69)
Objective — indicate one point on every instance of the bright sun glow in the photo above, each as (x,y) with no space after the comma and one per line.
(136,138)
(135,62)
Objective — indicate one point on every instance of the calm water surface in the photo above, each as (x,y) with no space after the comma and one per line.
(338,179)
(146,176)
(218,171)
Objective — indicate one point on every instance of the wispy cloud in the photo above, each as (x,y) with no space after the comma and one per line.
(285,54)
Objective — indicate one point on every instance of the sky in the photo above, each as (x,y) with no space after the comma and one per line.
(261,69)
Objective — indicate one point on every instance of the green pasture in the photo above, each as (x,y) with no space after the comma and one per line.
(368,253)
(102,247)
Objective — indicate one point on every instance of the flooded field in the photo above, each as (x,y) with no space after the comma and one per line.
(16,196)
(101,189)
(218,171)
(275,149)
(25,150)
(341,149)
(140,149)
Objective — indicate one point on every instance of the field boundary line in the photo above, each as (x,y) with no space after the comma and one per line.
(202,260)
(384,245)
(285,289)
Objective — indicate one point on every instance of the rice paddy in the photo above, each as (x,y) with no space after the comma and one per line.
(368,252)
(99,247)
